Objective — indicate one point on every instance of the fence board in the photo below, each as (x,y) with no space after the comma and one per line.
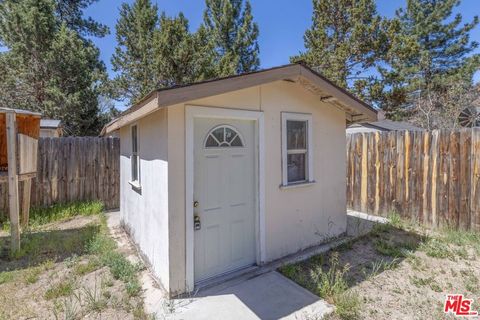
(475,182)
(73,169)
(432,177)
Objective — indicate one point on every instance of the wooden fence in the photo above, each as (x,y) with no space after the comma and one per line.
(433,177)
(74,169)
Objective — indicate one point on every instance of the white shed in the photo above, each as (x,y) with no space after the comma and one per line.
(236,172)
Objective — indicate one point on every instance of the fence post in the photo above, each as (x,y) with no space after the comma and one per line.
(475,181)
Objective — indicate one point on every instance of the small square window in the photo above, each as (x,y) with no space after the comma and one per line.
(296,148)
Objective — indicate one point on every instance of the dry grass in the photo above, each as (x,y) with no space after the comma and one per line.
(69,269)
(397,271)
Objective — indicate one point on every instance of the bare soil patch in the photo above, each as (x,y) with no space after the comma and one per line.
(395,272)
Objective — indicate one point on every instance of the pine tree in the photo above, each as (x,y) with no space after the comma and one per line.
(71,12)
(233,34)
(134,57)
(73,89)
(431,51)
(49,67)
(27,29)
(345,40)
(180,56)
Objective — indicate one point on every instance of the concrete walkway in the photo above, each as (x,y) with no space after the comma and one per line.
(267,296)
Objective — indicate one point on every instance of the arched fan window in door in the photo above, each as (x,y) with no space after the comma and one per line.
(223,136)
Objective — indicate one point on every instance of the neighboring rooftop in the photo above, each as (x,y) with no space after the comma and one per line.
(387,125)
(50,123)
(382,125)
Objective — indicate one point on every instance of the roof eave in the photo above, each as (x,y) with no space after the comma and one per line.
(356,110)
(360,110)
(147,105)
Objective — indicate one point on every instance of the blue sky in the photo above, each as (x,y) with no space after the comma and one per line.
(282,23)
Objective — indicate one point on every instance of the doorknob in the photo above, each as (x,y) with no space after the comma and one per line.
(195,204)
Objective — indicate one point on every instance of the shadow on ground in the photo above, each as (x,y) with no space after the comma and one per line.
(381,249)
(264,296)
(376,247)
(38,247)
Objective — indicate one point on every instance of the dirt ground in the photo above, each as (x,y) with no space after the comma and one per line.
(57,277)
(416,288)
(397,273)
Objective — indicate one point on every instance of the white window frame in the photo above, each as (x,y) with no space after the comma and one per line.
(290,116)
(134,182)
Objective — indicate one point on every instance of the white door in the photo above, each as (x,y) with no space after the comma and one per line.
(224,194)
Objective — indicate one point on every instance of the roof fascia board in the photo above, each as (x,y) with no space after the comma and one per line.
(149,105)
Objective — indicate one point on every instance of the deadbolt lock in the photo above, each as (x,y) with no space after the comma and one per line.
(195,204)
(196,223)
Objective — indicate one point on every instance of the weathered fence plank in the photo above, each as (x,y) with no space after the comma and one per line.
(73,169)
(432,177)
(475,181)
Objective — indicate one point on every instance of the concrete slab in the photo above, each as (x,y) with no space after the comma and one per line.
(267,296)
(360,223)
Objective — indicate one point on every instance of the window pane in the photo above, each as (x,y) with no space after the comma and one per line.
(211,142)
(134,139)
(219,134)
(229,135)
(296,135)
(134,168)
(237,142)
(296,167)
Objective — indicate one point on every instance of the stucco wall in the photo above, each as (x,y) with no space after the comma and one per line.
(295,218)
(145,212)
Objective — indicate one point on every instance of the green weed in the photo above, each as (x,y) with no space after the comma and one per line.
(55,243)
(67,309)
(62,289)
(40,216)
(7,276)
(378,267)
(422,282)
(290,271)
(347,305)
(94,299)
(84,268)
(436,249)
(119,266)
(396,250)
(332,282)
(470,281)
(58,212)
(32,275)
(395,220)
